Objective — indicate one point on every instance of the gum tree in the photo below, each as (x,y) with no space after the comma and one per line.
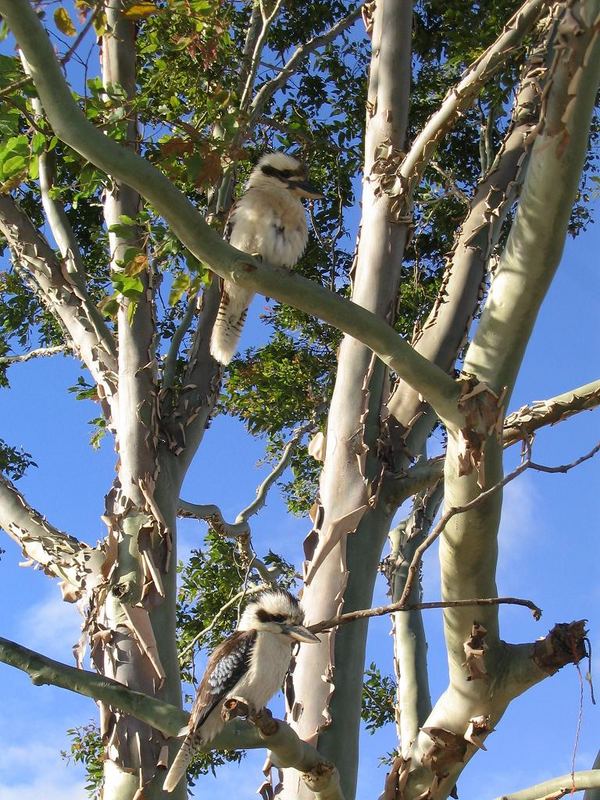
(473,153)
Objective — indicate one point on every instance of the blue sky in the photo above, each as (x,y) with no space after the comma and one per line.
(548,552)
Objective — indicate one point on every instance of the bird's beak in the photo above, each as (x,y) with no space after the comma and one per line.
(300,633)
(306,189)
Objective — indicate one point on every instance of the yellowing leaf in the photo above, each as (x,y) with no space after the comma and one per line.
(140,10)
(62,20)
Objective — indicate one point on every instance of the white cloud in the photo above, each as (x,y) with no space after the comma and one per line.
(520,524)
(51,626)
(34,770)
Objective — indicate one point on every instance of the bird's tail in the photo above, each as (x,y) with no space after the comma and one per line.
(181,762)
(230,320)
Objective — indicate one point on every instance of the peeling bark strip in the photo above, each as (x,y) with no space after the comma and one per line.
(523,423)
(565,644)
(484,413)
(475,648)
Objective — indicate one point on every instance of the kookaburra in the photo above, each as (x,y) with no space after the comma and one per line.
(250,665)
(269,221)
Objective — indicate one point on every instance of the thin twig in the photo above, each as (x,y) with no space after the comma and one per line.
(379,611)
(527,464)
(268,89)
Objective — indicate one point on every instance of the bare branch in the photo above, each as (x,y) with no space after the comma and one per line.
(212,514)
(55,212)
(275,474)
(240,529)
(268,89)
(261,40)
(555,788)
(59,554)
(523,423)
(447,516)
(70,304)
(40,352)
(379,611)
(287,749)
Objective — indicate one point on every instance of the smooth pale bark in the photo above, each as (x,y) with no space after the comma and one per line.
(468,547)
(348,536)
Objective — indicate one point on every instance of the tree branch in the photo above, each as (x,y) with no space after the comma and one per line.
(275,474)
(462,95)
(43,670)
(447,325)
(523,423)
(259,44)
(71,305)
(379,611)
(59,554)
(555,788)
(240,529)
(55,213)
(286,748)
(537,236)
(40,352)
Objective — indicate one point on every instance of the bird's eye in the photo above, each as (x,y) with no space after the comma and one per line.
(278,617)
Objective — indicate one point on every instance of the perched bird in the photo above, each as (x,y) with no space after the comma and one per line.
(249,665)
(268,221)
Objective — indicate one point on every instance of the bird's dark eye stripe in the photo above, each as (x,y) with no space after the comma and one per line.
(282,174)
(264,616)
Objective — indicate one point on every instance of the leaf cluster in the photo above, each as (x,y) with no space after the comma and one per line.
(378,699)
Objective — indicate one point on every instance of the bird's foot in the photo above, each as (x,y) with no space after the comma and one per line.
(263,719)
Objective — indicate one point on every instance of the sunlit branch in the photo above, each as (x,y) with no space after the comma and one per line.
(261,40)
(40,352)
(556,788)
(55,212)
(461,96)
(275,474)
(240,529)
(286,748)
(523,423)
(92,341)
(60,554)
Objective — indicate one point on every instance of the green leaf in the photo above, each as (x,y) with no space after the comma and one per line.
(13,165)
(38,143)
(180,284)
(130,286)
(63,22)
